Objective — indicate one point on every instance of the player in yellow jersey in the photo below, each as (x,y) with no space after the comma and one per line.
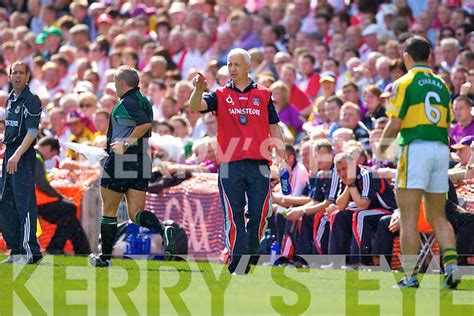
(420,109)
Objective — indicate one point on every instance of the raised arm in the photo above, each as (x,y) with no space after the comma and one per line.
(196,103)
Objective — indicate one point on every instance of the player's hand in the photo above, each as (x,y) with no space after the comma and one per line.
(284,165)
(331,208)
(294,214)
(12,164)
(394,225)
(118,147)
(465,88)
(199,81)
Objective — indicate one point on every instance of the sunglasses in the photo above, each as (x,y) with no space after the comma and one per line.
(87,105)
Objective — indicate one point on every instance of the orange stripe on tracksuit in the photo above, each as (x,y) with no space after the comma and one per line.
(230,225)
(318,230)
(358,221)
(265,212)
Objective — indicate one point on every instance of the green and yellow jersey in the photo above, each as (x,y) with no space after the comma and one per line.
(421,100)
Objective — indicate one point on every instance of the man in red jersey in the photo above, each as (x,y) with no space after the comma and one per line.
(246,127)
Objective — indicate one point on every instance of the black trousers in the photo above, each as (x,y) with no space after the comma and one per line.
(382,244)
(244,183)
(18,211)
(463,225)
(63,214)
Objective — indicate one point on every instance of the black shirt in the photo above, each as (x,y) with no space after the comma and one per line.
(132,110)
(23,112)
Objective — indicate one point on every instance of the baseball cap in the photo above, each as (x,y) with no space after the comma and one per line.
(466,141)
(54,31)
(83,86)
(389,9)
(328,76)
(370,29)
(40,38)
(74,116)
(82,3)
(139,9)
(104,18)
(177,7)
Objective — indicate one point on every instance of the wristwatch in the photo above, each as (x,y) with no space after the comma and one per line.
(353,185)
(126,145)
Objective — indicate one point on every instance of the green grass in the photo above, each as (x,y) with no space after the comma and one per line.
(68,286)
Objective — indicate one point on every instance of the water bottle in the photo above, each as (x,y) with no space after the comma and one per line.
(131,244)
(285,181)
(146,244)
(274,252)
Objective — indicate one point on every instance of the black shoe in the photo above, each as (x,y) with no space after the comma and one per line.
(36,259)
(452,279)
(405,284)
(8,260)
(300,262)
(98,262)
(169,242)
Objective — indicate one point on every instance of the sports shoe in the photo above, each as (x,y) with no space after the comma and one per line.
(452,279)
(98,262)
(8,260)
(330,266)
(406,284)
(36,259)
(169,242)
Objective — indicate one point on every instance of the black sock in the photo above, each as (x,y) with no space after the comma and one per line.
(108,230)
(149,220)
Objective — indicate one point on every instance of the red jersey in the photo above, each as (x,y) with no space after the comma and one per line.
(243,118)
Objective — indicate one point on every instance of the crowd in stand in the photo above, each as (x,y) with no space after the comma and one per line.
(330,65)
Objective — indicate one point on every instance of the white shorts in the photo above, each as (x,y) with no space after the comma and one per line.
(424,165)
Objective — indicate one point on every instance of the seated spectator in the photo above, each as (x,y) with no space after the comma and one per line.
(297,97)
(309,81)
(462,108)
(351,93)
(88,104)
(374,105)
(340,137)
(333,112)
(458,78)
(182,130)
(349,119)
(383,70)
(287,113)
(81,130)
(313,208)
(203,159)
(54,207)
(362,198)
(375,162)
(163,128)
(464,150)
(461,220)
(101,119)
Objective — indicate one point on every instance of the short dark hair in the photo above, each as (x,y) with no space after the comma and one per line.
(128,75)
(463,98)
(164,123)
(49,141)
(336,100)
(419,48)
(21,63)
(309,56)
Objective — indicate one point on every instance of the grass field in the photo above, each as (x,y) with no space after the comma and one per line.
(68,286)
